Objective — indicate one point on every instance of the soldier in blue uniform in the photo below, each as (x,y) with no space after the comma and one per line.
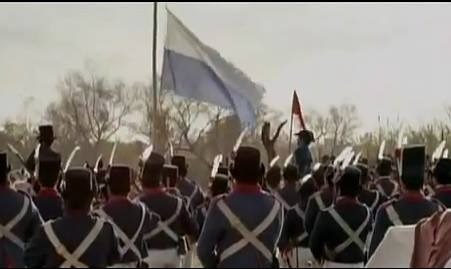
(302,154)
(48,200)
(339,235)
(371,198)
(219,186)
(78,239)
(165,243)
(442,179)
(186,186)
(19,220)
(412,205)
(130,220)
(320,200)
(293,230)
(384,182)
(273,179)
(242,228)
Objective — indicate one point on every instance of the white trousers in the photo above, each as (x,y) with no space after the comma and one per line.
(300,258)
(168,258)
(329,264)
(125,265)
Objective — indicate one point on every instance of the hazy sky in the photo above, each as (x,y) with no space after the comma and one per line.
(387,59)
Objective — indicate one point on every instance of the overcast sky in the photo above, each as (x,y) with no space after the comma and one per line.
(387,59)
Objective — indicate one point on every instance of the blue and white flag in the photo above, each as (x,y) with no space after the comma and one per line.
(194,70)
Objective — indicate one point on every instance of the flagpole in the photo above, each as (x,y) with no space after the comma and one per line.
(154,73)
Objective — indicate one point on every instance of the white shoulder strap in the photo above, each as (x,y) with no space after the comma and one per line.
(249,237)
(163,226)
(319,201)
(353,236)
(299,211)
(395,189)
(393,216)
(129,244)
(281,200)
(193,194)
(72,259)
(376,201)
(381,190)
(5,231)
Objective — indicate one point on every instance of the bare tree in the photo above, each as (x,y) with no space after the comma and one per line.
(268,141)
(343,123)
(91,109)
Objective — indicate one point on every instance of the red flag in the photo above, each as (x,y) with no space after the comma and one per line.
(297,111)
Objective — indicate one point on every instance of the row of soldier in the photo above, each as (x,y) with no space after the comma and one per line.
(319,215)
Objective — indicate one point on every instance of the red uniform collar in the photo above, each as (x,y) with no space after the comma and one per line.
(48,192)
(246,188)
(76,212)
(154,191)
(346,200)
(413,196)
(118,199)
(443,188)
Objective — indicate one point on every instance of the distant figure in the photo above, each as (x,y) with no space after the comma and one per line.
(302,154)
(242,228)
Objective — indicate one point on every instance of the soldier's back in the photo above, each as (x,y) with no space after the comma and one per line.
(329,232)
(443,194)
(372,199)
(252,209)
(20,221)
(171,209)
(318,201)
(49,204)
(91,236)
(133,220)
(386,187)
(408,209)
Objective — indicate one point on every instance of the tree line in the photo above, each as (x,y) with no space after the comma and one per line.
(91,110)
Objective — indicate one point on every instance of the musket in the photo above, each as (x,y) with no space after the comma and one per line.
(71,157)
(438,151)
(274,161)
(96,167)
(19,157)
(288,160)
(347,160)
(113,152)
(36,160)
(380,155)
(342,155)
(357,158)
(239,140)
(216,162)
(146,153)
